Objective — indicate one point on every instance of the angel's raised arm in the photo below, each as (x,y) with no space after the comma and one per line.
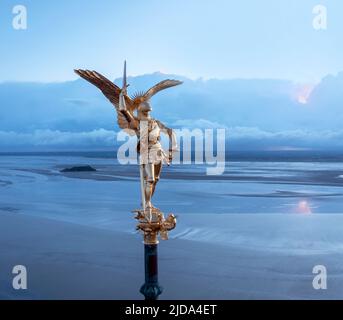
(132,121)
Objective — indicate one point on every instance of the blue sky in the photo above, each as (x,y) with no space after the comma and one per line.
(195,38)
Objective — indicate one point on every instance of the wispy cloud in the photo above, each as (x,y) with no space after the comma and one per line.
(43,138)
(198,123)
(247,137)
(309,135)
(78,102)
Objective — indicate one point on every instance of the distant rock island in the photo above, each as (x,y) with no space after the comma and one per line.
(79,169)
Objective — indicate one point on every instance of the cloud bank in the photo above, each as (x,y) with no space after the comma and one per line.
(238,138)
(257,114)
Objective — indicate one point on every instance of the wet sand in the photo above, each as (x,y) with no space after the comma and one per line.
(69,261)
(75,232)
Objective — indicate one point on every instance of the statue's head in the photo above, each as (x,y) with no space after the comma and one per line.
(143,111)
(140,101)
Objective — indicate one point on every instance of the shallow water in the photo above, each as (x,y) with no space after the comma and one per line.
(34,185)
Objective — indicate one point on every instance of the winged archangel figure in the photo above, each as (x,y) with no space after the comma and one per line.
(133,113)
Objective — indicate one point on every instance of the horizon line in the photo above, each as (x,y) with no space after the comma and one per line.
(194,79)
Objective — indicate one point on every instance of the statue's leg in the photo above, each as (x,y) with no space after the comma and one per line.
(149,182)
(158,169)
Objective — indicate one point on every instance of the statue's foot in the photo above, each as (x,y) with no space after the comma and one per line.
(152,213)
(149,206)
(152,207)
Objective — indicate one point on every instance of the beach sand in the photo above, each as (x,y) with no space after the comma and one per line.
(255,233)
(70,261)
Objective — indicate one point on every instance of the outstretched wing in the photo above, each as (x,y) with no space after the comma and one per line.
(111,92)
(165,84)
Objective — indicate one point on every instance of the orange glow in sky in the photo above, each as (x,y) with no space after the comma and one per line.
(304,93)
(303,207)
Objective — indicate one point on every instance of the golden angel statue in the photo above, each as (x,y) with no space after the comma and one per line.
(133,115)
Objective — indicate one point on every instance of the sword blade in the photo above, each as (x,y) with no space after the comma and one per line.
(124,77)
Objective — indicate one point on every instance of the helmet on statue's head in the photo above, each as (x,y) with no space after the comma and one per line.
(144,109)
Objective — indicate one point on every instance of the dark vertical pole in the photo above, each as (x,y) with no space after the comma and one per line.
(151,289)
